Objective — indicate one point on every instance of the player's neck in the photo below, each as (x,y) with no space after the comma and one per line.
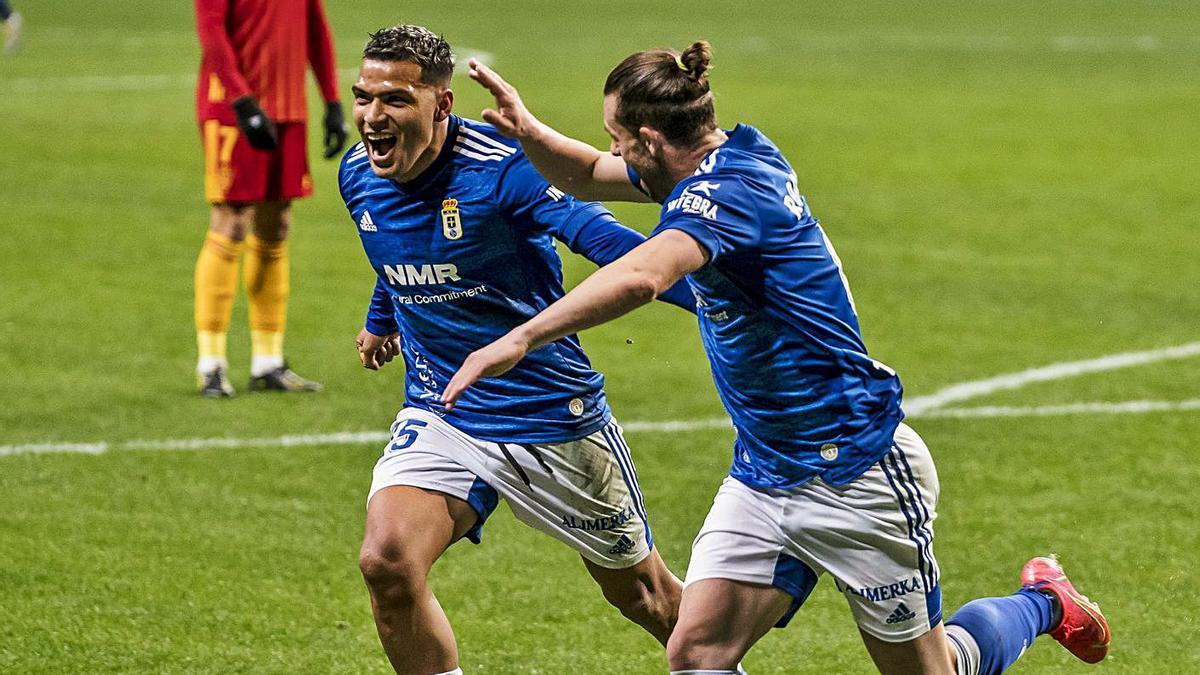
(689,158)
(430,154)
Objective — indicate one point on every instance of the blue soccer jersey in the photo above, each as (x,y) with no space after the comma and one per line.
(463,254)
(778,322)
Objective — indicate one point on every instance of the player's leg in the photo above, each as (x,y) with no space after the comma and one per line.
(422,499)
(267,266)
(266,277)
(647,593)
(216,278)
(989,634)
(741,581)
(929,654)
(234,181)
(407,530)
(719,620)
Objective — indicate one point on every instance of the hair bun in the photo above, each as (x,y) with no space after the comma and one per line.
(695,60)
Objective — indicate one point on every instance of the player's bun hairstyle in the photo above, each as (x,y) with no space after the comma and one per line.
(666,90)
(415,44)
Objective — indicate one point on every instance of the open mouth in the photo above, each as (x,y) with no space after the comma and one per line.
(380,147)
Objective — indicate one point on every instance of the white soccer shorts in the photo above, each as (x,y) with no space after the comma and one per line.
(584,492)
(874,536)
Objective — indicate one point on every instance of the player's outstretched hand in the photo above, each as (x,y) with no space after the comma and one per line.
(510,117)
(492,361)
(376,351)
(336,132)
(254,123)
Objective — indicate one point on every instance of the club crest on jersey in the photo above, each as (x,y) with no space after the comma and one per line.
(451,220)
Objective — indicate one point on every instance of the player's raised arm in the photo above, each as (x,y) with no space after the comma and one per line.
(572,165)
(614,290)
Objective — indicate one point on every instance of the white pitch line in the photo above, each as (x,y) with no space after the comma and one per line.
(931,406)
(160,82)
(1094,408)
(958,393)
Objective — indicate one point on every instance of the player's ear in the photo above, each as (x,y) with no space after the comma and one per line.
(652,140)
(445,103)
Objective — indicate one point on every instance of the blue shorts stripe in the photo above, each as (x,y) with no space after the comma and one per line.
(925,520)
(904,508)
(625,464)
(918,533)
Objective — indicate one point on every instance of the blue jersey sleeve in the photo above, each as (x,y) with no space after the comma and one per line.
(718,212)
(381,313)
(587,228)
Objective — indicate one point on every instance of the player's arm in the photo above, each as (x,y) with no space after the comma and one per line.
(572,165)
(379,342)
(218,53)
(614,290)
(324,66)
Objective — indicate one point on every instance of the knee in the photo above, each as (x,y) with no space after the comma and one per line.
(391,574)
(231,220)
(646,599)
(272,221)
(696,649)
(690,650)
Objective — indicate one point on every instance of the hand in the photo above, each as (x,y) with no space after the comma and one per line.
(335,129)
(491,361)
(254,123)
(376,351)
(511,118)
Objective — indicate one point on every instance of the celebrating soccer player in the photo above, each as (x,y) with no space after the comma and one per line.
(826,478)
(460,230)
(251,107)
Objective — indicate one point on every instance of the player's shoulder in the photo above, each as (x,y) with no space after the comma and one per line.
(354,171)
(475,142)
(354,164)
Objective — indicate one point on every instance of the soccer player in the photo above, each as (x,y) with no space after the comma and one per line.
(12,27)
(460,231)
(251,106)
(825,478)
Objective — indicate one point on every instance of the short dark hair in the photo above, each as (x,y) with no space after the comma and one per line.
(666,90)
(415,44)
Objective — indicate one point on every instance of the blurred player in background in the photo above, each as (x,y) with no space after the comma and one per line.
(825,478)
(460,230)
(250,101)
(12,27)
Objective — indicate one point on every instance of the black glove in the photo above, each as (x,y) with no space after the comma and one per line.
(254,123)
(335,129)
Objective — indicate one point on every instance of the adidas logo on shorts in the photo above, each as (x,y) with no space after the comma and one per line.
(901,614)
(624,545)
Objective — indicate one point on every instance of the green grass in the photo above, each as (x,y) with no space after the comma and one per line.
(1008,184)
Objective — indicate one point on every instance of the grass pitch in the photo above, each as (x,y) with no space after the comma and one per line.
(1009,185)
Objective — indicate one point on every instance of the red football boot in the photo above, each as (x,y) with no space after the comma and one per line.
(1083,630)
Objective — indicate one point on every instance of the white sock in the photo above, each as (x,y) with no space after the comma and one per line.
(261,365)
(965,648)
(456,671)
(207,364)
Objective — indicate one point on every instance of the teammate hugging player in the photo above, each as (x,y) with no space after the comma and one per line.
(825,478)
(251,108)
(460,230)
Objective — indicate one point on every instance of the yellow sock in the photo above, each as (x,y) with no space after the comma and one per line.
(266,278)
(215,286)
